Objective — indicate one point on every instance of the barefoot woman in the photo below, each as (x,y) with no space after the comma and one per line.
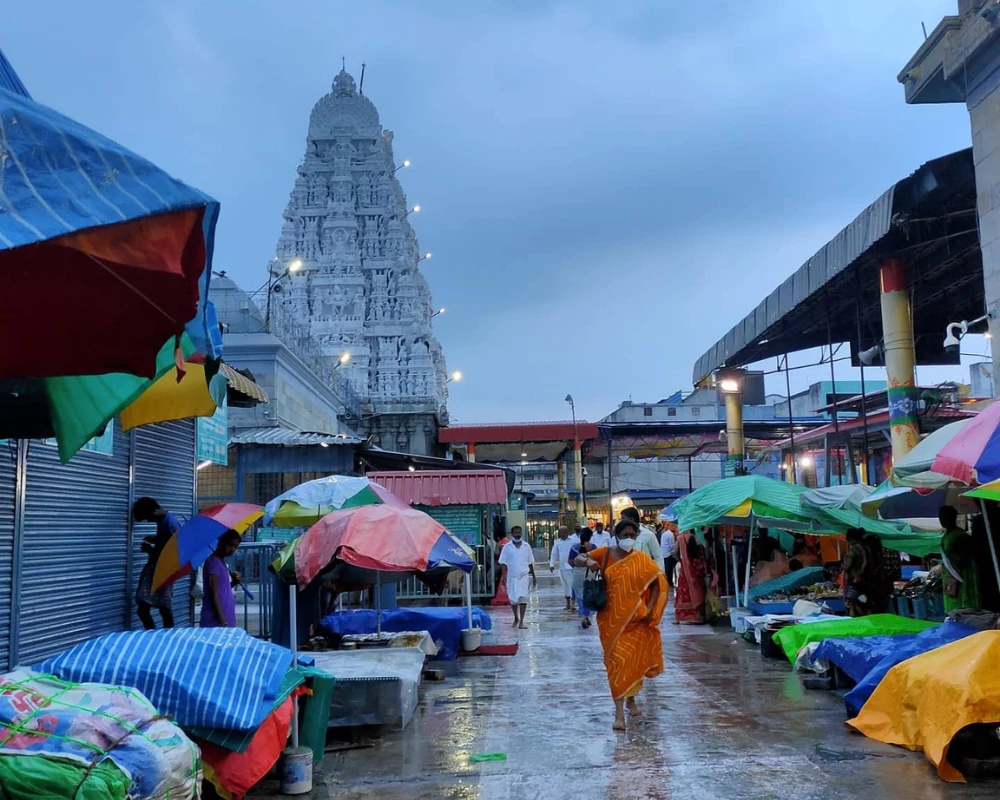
(629,623)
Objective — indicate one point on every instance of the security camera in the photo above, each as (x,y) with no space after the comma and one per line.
(953,336)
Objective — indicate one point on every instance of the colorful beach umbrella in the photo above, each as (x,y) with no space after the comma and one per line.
(119,248)
(197,539)
(915,468)
(307,503)
(381,538)
(973,455)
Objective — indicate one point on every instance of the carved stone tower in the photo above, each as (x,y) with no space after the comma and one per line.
(359,290)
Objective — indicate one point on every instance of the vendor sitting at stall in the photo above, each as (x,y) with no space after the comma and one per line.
(960,579)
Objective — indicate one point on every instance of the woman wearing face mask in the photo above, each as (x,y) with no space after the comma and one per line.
(629,623)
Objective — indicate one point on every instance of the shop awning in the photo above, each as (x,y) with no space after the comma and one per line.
(927,220)
(243,384)
(431,488)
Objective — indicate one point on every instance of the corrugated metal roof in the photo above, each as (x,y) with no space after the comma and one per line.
(9,79)
(440,488)
(287,438)
(755,336)
(242,384)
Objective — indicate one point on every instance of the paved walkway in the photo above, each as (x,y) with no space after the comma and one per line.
(720,723)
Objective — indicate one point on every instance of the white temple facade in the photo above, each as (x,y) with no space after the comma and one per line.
(359,290)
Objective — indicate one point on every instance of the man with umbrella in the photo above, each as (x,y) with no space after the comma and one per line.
(146,509)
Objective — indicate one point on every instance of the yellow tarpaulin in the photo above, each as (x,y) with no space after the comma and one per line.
(923,702)
(168,400)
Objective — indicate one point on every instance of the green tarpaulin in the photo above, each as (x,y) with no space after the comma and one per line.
(27,776)
(738,501)
(795,637)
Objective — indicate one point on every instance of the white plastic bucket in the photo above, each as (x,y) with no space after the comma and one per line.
(472,639)
(296,770)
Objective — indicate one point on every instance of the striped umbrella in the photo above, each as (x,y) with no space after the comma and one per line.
(973,455)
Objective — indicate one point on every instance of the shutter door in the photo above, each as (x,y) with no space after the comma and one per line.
(165,471)
(74,549)
(8,461)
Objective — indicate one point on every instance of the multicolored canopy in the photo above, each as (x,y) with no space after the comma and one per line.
(307,503)
(973,454)
(383,538)
(191,546)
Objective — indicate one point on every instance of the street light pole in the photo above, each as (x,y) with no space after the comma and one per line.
(272,285)
(581,510)
(730,383)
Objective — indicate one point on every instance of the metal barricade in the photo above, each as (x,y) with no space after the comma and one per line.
(252,560)
(483,583)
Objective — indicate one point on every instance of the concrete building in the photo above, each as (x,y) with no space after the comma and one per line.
(959,62)
(346,273)
(306,392)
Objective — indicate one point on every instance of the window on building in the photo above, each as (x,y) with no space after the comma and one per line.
(671,412)
(647,412)
(695,411)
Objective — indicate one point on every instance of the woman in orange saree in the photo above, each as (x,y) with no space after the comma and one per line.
(629,623)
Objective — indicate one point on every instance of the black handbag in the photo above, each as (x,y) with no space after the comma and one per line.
(595,590)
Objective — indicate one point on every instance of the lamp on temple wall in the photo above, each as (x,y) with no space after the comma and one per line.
(456,376)
(274,285)
(437,313)
(406,163)
(344,358)
(425,256)
(414,210)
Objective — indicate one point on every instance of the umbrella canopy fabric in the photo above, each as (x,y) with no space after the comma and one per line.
(740,500)
(892,502)
(390,538)
(988,491)
(192,545)
(117,247)
(973,454)
(894,535)
(848,495)
(307,503)
(921,458)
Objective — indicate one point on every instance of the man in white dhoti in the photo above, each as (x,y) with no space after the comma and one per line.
(518,563)
(559,559)
(600,537)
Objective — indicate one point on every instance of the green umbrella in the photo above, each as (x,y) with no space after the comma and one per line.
(745,500)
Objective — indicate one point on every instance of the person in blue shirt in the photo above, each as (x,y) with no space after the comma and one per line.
(584,545)
(146,509)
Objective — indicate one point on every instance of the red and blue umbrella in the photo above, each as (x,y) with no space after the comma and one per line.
(973,455)
(381,538)
(197,539)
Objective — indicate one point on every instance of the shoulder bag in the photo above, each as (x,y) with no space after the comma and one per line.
(595,590)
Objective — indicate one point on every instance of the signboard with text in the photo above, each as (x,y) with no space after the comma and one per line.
(213,438)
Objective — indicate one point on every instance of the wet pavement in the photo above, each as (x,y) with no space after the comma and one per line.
(721,722)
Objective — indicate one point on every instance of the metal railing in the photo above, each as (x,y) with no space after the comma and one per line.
(483,583)
(252,560)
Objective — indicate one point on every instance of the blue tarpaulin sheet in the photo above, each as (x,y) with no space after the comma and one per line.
(445,625)
(200,677)
(901,649)
(788,583)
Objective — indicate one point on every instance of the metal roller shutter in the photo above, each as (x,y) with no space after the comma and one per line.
(165,470)
(8,463)
(74,548)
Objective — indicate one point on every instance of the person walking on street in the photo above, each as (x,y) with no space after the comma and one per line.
(668,545)
(645,542)
(600,537)
(518,564)
(584,546)
(146,509)
(629,623)
(218,609)
(559,559)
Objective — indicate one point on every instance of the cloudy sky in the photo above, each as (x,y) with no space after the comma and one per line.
(607,187)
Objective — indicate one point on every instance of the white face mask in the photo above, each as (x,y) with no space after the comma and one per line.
(626,544)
